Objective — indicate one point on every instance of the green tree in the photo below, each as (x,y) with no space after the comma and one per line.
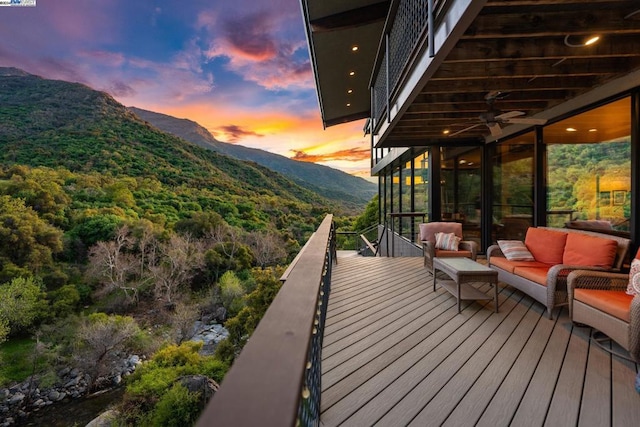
(22,304)
(101,339)
(27,240)
(369,217)
(242,326)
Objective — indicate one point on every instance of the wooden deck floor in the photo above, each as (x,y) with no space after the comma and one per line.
(396,353)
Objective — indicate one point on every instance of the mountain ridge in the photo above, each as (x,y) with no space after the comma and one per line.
(331,183)
(55,123)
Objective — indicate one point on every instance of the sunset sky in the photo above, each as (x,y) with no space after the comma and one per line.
(240,68)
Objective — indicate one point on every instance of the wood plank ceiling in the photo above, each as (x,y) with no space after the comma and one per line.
(531,52)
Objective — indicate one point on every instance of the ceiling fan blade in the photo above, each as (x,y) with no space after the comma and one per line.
(495,129)
(495,94)
(526,121)
(510,114)
(464,130)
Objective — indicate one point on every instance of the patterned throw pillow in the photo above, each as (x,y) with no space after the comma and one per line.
(515,250)
(634,277)
(447,241)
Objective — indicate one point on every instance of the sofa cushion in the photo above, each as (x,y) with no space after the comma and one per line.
(428,230)
(441,253)
(582,249)
(615,303)
(509,266)
(535,274)
(546,245)
(515,250)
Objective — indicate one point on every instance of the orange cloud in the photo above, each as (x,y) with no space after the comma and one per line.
(350,154)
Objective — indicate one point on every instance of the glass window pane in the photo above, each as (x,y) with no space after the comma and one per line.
(590,168)
(513,169)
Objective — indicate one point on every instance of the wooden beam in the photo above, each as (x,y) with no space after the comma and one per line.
(549,68)
(474,50)
(543,23)
(475,107)
(365,15)
(573,83)
(514,96)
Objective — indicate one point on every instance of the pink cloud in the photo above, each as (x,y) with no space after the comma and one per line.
(251,37)
(258,53)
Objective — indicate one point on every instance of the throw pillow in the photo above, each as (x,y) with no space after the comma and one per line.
(447,241)
(634,277)
(515,250)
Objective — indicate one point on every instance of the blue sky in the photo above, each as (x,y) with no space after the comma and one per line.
(240,68)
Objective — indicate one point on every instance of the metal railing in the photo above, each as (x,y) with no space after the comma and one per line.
(275,381)
(360,241)
(406,31)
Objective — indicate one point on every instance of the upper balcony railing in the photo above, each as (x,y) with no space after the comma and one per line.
(406,34)
(275,381)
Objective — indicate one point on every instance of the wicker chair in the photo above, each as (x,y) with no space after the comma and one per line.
(598,299)
(466,248)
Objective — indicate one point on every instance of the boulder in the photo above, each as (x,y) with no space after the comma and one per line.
(16,398)
(199,384)
(105,419)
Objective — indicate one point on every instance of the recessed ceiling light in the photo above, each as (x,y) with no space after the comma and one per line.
(587,42)
(462,161)
(572,130)
(446,131)
(350,91)
(593,130)
(348,105)
(354,48)
(592,40)
(352,73)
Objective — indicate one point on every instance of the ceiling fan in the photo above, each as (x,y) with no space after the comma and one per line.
(493,118)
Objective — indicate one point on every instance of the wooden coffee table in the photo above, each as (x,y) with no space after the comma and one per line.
(463,272)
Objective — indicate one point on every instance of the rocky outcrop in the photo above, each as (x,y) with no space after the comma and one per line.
(210,335)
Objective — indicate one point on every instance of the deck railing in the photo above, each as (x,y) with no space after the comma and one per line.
(275,381)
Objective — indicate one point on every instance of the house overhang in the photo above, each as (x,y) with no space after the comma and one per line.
(531,53)
(334,28)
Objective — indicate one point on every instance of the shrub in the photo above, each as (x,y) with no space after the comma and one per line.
(64,301)
(231,292)
(153,394)
(177,407)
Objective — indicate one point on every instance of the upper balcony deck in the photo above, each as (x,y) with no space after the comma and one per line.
(397,353)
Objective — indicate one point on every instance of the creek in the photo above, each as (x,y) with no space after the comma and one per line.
(76,412)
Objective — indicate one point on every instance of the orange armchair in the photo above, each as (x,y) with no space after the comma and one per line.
(467,249)
(598,299)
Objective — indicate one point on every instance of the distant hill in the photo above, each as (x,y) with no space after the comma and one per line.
(60,124)
(329,182)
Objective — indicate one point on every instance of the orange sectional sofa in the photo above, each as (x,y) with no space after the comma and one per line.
(555,253)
